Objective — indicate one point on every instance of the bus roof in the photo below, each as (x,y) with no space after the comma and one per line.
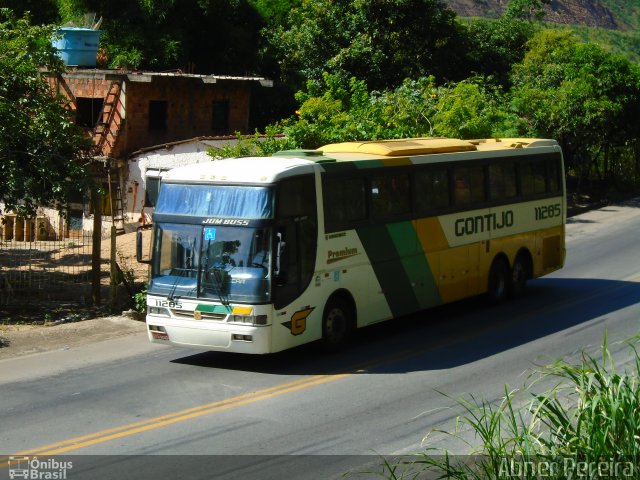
(428,150)
(401,147)
(250,170)
(265,170)
(431,145)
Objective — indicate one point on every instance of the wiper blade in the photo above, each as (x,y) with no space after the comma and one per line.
(220,284)
(215,275)
(182,273)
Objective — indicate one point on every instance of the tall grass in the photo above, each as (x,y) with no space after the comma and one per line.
(586,425)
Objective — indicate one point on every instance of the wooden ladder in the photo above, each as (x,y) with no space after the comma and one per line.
(106,130)
(117,205)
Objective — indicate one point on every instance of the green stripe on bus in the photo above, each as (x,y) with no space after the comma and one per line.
(369,163)
(213,309)
(415,263)
(391,274)
(339,167)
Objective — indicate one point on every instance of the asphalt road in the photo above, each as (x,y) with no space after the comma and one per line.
(137,409)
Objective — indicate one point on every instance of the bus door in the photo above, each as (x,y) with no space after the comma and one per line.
(296,239)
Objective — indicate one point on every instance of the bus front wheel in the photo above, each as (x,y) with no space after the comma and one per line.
(498,281)
(336,325)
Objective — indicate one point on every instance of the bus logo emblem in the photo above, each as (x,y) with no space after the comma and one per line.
(298,322)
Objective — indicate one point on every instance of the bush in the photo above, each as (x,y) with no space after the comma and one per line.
(140,300)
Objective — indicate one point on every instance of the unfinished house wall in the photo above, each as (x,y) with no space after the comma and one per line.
(168,109)
(125,112)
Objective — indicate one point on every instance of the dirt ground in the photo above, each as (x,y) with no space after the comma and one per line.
(40,336)
(18,340)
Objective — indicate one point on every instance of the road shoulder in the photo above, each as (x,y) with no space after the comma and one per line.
(21,340)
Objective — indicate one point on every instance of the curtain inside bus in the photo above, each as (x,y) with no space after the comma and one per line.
(216,200)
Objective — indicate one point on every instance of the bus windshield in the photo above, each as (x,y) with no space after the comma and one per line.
(221,263)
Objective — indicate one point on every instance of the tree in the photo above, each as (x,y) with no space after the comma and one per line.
(383,42)
(332,113)
(43,155)
(585,97)
(526,9)
(473,108)
(39,11)
(495,46)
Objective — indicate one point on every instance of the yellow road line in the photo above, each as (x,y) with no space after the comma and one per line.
(179,416)
(134,428)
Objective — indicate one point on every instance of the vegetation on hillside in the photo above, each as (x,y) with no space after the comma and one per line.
(369,69)
(542,83)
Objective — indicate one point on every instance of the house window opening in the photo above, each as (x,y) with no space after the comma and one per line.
(152,187)
(220,116)
(157,115)
(88,111)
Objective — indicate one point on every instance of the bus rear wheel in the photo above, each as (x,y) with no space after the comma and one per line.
(336,325)
(498,281)
(519,276)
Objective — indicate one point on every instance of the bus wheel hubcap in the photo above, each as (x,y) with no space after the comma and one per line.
(335,324)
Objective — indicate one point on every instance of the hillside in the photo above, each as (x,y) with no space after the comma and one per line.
(609,14)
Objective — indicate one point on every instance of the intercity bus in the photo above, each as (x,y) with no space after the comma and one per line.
(258,255)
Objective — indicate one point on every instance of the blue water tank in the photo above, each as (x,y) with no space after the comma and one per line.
(78,46)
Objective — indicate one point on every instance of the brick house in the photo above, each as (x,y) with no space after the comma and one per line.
(126,111)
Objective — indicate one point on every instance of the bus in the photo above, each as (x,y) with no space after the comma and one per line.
(261,254)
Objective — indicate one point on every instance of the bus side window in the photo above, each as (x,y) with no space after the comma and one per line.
(344,202)
(390,195)
(553,175)
(469,185)
(502,180)
(532,178)
(432,189)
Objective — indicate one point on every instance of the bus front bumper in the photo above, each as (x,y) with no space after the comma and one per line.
(212,336)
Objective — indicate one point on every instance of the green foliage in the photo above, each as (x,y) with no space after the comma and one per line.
(473,109)
(526,9)
(274,12)
(40,11)
(140,300)
(591,415)
(257,145)
(585,97)
(626,43)
(332,113)
(71,11)
(495,46)
(42,153)
(384,42)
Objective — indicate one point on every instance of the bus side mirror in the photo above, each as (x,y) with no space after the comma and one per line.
(139,244)
(280,244)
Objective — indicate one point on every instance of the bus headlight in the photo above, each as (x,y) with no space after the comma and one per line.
(241,319)
(245,316)
(158,311)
